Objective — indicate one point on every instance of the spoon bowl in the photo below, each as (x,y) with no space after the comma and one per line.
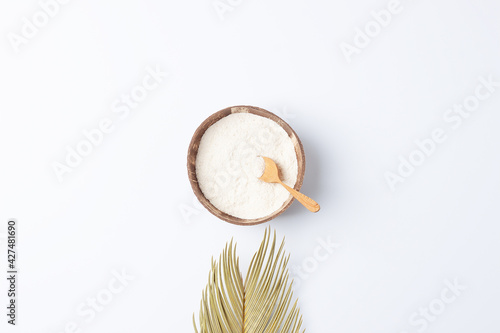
(271,175)
(193,152)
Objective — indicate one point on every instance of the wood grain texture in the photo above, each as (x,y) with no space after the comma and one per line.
(193,152)
(271,175)
(309,203)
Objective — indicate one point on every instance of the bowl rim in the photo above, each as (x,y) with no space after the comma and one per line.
(193,152)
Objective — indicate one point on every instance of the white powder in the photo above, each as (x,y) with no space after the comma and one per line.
(228,166)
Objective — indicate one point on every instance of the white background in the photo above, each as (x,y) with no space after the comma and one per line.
(128,205)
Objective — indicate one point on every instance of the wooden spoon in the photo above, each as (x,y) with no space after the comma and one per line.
(271,175)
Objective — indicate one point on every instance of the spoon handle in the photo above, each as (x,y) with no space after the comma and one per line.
(309,203)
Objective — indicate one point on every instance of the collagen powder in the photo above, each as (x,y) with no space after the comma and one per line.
(228,165)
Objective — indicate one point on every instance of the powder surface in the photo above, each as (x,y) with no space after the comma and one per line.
(228,165)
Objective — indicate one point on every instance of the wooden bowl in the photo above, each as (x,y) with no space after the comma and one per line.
(193,152)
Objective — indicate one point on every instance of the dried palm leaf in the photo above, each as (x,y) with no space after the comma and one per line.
(259,304)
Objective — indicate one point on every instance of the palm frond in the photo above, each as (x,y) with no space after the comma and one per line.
(262,303)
